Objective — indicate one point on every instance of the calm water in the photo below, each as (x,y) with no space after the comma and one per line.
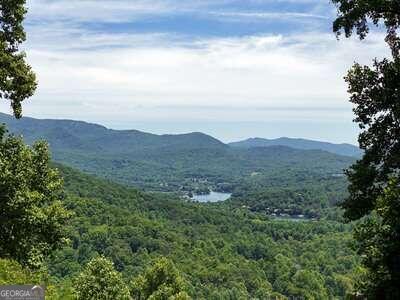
(212,197)
(293,219)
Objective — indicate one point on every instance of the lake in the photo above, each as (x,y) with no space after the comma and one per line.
(212,197)
(293,219)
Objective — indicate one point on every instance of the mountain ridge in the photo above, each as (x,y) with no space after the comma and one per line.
(34,129)
(300,143)
(169,162)
(103,138)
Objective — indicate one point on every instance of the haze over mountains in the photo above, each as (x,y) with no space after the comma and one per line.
(79,135)
(247,240)
(82,136)
(166,162)
(341,149)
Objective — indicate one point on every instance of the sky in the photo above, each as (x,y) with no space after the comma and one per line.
(233,69)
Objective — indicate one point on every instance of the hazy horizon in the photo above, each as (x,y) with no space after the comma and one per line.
(218,131)
(227,68)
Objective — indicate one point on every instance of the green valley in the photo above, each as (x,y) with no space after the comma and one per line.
(211,199)
(261,178)
(222,253)
(241,248)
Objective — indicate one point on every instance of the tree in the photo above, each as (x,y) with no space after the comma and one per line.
(32,216)
(12,273)
(99,280)
(17,80)
(161,281)
(378,241)
(308,285)
(355,14)
(375,92)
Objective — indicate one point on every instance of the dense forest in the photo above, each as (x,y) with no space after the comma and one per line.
(274,180)
(297,226)
(220,253)
(171,163)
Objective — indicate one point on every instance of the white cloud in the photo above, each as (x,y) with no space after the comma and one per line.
(270,15)
(155,78)
(117,11)
(164,77)
(94,10)
(113,10)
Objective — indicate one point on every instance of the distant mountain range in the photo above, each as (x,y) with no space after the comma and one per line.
(303,144)
(168,162)
(78,135)
(68,135)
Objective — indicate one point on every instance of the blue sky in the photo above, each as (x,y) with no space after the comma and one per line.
(233,69)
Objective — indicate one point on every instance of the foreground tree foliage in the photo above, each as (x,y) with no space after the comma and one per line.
(354,14)
(374,180)
(11,272)
(375,92)
(161,281)
(100,281)
(17,80)
(378,237)
(32,217)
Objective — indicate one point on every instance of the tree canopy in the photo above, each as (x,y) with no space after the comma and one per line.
(374,179)
(355,14)
(99,280)
(376,95)
(17,80)
(31,213)
(161,281)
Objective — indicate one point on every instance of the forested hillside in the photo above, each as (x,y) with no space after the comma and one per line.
(171,162)
(137,243)
(69,135)
(91,213)
(341,149)
(274,180)
(222,253)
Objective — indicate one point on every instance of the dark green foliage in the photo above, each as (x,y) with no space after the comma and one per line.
(374,196)
(355,14)
(100,281)
(32,216)
(378,243)
(220,252)
(17,80)
(375,93)
(161,281)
